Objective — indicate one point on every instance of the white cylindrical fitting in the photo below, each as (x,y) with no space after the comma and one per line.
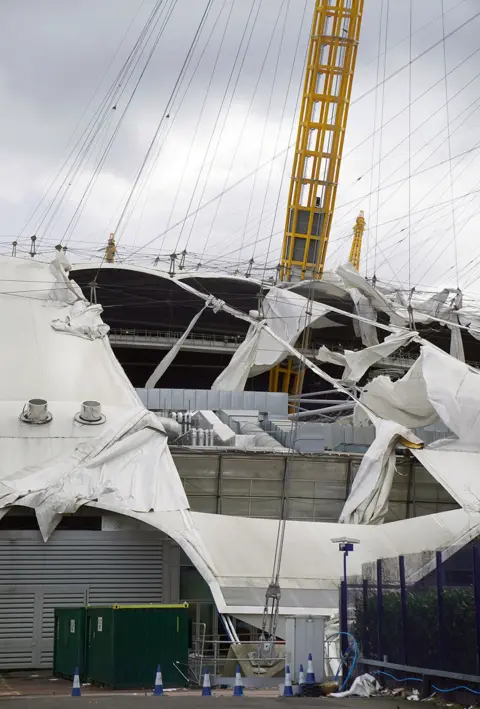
(37,411)
(91,411)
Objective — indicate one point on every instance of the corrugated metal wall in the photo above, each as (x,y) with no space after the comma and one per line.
(75,567)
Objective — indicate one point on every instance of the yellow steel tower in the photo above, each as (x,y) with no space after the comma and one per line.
(332,55)
(356,249)
(329,73)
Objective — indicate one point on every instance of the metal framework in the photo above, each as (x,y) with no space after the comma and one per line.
(329,74)
(356,249)
(332,55)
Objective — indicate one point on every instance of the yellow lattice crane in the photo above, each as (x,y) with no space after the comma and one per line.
(356,249)
(111,249)
(331,60)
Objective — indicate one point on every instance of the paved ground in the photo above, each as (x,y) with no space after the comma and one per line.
(179,701)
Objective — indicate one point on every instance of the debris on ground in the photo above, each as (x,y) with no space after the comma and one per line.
(364,686)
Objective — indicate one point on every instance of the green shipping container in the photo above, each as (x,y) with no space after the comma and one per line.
(69,645)
(126,643)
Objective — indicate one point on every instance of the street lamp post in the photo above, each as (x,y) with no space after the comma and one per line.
(345,545)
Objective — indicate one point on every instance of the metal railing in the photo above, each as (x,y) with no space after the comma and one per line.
(213,654)
(167,338)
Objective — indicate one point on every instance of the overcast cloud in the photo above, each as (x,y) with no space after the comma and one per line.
(58,59)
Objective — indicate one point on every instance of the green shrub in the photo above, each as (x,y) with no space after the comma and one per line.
(459,640)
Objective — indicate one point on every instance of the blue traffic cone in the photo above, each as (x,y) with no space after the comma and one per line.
(301,679)
(206,689)
(287,689)
(158,689)
(238,689)
(310,679)
(76,684)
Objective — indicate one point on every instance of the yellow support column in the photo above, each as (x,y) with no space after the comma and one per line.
(332,56)
(329,74)
(356,249)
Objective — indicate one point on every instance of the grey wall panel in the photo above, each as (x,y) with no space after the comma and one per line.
(71,569)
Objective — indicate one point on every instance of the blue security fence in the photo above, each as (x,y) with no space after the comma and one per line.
(432,623)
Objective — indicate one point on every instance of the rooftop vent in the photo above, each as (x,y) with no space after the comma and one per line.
(36,411)
(90,414)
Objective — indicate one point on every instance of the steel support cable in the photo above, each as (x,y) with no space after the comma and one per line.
(410,147)
(106,151)
(441,252)
(419,56)
(172,118)
(192,45)
(103,112)
(399,113)
(240,70)
(210,141)
(373,136)
(165,112)
(206,95)
(434,187)
(418,172)
(177,109)
(226,189)
(226,114)
(382,111)
(213,199)
(285,5)
(429,210)
(449,141)
(80,161)
(52,182)
(299,93)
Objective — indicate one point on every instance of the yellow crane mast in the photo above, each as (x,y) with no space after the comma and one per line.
(356,249)
(111,249)
(329,72)
(332,55)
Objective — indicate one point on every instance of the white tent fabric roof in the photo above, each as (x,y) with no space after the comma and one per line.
(125,465)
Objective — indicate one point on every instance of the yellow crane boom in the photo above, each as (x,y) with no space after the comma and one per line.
(356,248)
(332,55)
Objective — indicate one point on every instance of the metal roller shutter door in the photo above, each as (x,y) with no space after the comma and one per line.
(71,569)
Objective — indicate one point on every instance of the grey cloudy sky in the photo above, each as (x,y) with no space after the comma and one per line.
(58,59)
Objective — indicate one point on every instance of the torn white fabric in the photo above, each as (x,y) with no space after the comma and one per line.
(365,330)
(359,362)
(63,289)
(164,364)
(363,686)
(404,401)
(370,493)
(234,376)
(83,320)
(456,470)
(456,343)
(329,357)
(453,389)
(128,466)
(353,279)
(287,314)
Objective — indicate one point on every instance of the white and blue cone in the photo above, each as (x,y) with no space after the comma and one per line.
(287,688)
(158,689)
(76,684)
(238,689)
(301,679)
(206,689)
(310,678)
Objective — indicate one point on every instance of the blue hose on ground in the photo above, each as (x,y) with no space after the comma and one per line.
(353,665)
(417,679)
